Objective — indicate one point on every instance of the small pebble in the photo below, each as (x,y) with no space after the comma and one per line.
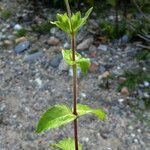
(136,141)
(39,81)
(121,100)
(17,27)
(132,135)
(146,84)
(125,91)
(83,95)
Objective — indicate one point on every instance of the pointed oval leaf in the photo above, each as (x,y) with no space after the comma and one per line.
(67,55)
(66,144)
(80,21)
(75,21)
(63,22)
(84,64)
(84,109)
(88,13)
(54,117)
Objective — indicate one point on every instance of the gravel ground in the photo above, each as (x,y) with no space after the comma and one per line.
(30,84)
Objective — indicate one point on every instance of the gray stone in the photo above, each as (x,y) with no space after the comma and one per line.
(53,41)
(33,57)
(131,53)
(146,84)
(141,104)
(10,37)
(102,47)
(93,26)
(124,39)
(1,36)
(102,69)
(63,66)
(55,61)
(66,45)
(82,34)
(17,27)
(58,33)
(2,108)
(4,30)
(21,47)
(85,44)
(146,95)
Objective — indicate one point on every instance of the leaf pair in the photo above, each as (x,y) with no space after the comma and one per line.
(82,63)
(61,114)
(73,24)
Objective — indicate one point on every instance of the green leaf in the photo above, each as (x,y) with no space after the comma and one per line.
(66,144)
(67,55)
(84,109)
(75,21)
(112,2)
(54,117)
(63,22)
(84,64)
(73,24)
(88,13)
(82,21)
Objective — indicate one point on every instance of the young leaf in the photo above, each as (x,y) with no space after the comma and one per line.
(63,22)
(84,64)
(84,109)
(66,144)
(73,24)
(67,55)
(80,21)
(54,117)
(88,13)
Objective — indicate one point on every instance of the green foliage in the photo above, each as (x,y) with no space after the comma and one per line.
(143,55)
(109,29)
(66,144)
(54,117)
(134,78)
(144,5)
(67,55)
(84,109)
(82,63)
(5,14)
(21,32)
(60,114)
(112,2)
(73,24)
(141,28)
(43,28)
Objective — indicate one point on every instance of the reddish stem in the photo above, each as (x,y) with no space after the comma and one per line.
(74,67)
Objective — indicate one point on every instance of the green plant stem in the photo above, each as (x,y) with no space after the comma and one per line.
(68,8)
